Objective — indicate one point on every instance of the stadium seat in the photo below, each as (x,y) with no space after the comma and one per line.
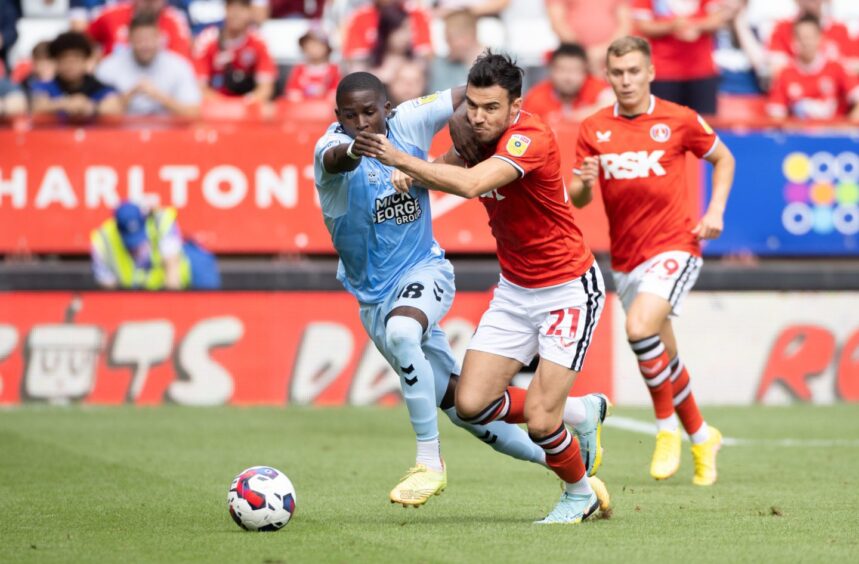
(282,36)
(742,107)
(33,30)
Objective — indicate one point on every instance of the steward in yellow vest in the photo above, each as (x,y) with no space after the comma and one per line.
(136,251)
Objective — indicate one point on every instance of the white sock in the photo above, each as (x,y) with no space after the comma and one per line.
(429,454)
(668,424)
(575,412)
(582,487)
(700,435)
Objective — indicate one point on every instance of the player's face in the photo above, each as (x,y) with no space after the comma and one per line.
(238,17)
(568,74)
(490,111)
(363,110)
(71,66)
(630,77)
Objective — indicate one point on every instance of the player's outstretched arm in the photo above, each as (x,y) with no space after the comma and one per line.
(489,175)
(338,159)
(712,223)
(581,187)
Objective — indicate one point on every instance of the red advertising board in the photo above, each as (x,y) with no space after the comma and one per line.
(242,188)
(245,348)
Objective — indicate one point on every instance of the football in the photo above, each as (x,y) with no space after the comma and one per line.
(261,499)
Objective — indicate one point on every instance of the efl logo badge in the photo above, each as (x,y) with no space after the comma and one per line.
(660,133)
(428,99)
(518,144)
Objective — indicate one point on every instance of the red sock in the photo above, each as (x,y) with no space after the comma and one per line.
(655,368)
(684,401)
(510,408)
(563,455)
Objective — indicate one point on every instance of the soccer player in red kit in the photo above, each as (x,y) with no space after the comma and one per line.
(550,295)
(636,149)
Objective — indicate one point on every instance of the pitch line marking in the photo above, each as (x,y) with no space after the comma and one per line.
(645,428)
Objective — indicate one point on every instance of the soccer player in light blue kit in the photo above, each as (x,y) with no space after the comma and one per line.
(391,263)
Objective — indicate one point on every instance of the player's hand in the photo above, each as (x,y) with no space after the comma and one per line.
(590,172)
(368,145)
(401,181)
(464,139)
(710,226)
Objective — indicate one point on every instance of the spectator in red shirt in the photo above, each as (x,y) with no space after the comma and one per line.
(234,61)
(836,43)
(593,25)
(316,78)
(813,85)
(681,36)
(363,32)
(570,91)
(110,28)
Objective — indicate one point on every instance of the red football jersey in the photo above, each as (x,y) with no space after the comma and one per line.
(531,218)
(233,68)
(362,30)
(312,82)
(543,101)
(822,90)
(836,41)
(675,59)
(642,163)
(110,29)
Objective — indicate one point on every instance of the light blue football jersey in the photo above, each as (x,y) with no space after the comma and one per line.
(378,232)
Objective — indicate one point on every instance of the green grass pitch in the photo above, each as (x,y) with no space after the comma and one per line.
(126,484)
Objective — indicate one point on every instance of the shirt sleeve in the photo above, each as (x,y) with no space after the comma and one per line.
(188,89)
(642,10)
(332,138)
(265,71)
(777,102)
(420,119)
(700,138)
(524,148)
(584,149)
(170,244)
(421,39)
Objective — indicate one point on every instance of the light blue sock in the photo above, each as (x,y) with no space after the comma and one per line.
(506,438)
(403,341)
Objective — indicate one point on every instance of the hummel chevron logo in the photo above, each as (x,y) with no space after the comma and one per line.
(603,136)
(408,369)
(410,381)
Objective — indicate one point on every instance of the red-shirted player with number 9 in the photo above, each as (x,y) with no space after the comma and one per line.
(637,150)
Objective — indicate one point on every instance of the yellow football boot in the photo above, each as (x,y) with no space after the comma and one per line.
(418,485)
(704,456)
(666,455)
(603,496)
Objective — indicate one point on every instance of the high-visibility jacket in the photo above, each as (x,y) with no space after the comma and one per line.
(107,241)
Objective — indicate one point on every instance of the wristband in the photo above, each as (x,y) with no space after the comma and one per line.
(349,152)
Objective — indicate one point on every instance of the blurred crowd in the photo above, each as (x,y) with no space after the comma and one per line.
(81,60)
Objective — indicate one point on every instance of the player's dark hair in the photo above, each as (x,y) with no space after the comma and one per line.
(42,50)
(497,69)
(805,18)
(360,82)
(70,41)
(569,50)
(143,18)
(242,2)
